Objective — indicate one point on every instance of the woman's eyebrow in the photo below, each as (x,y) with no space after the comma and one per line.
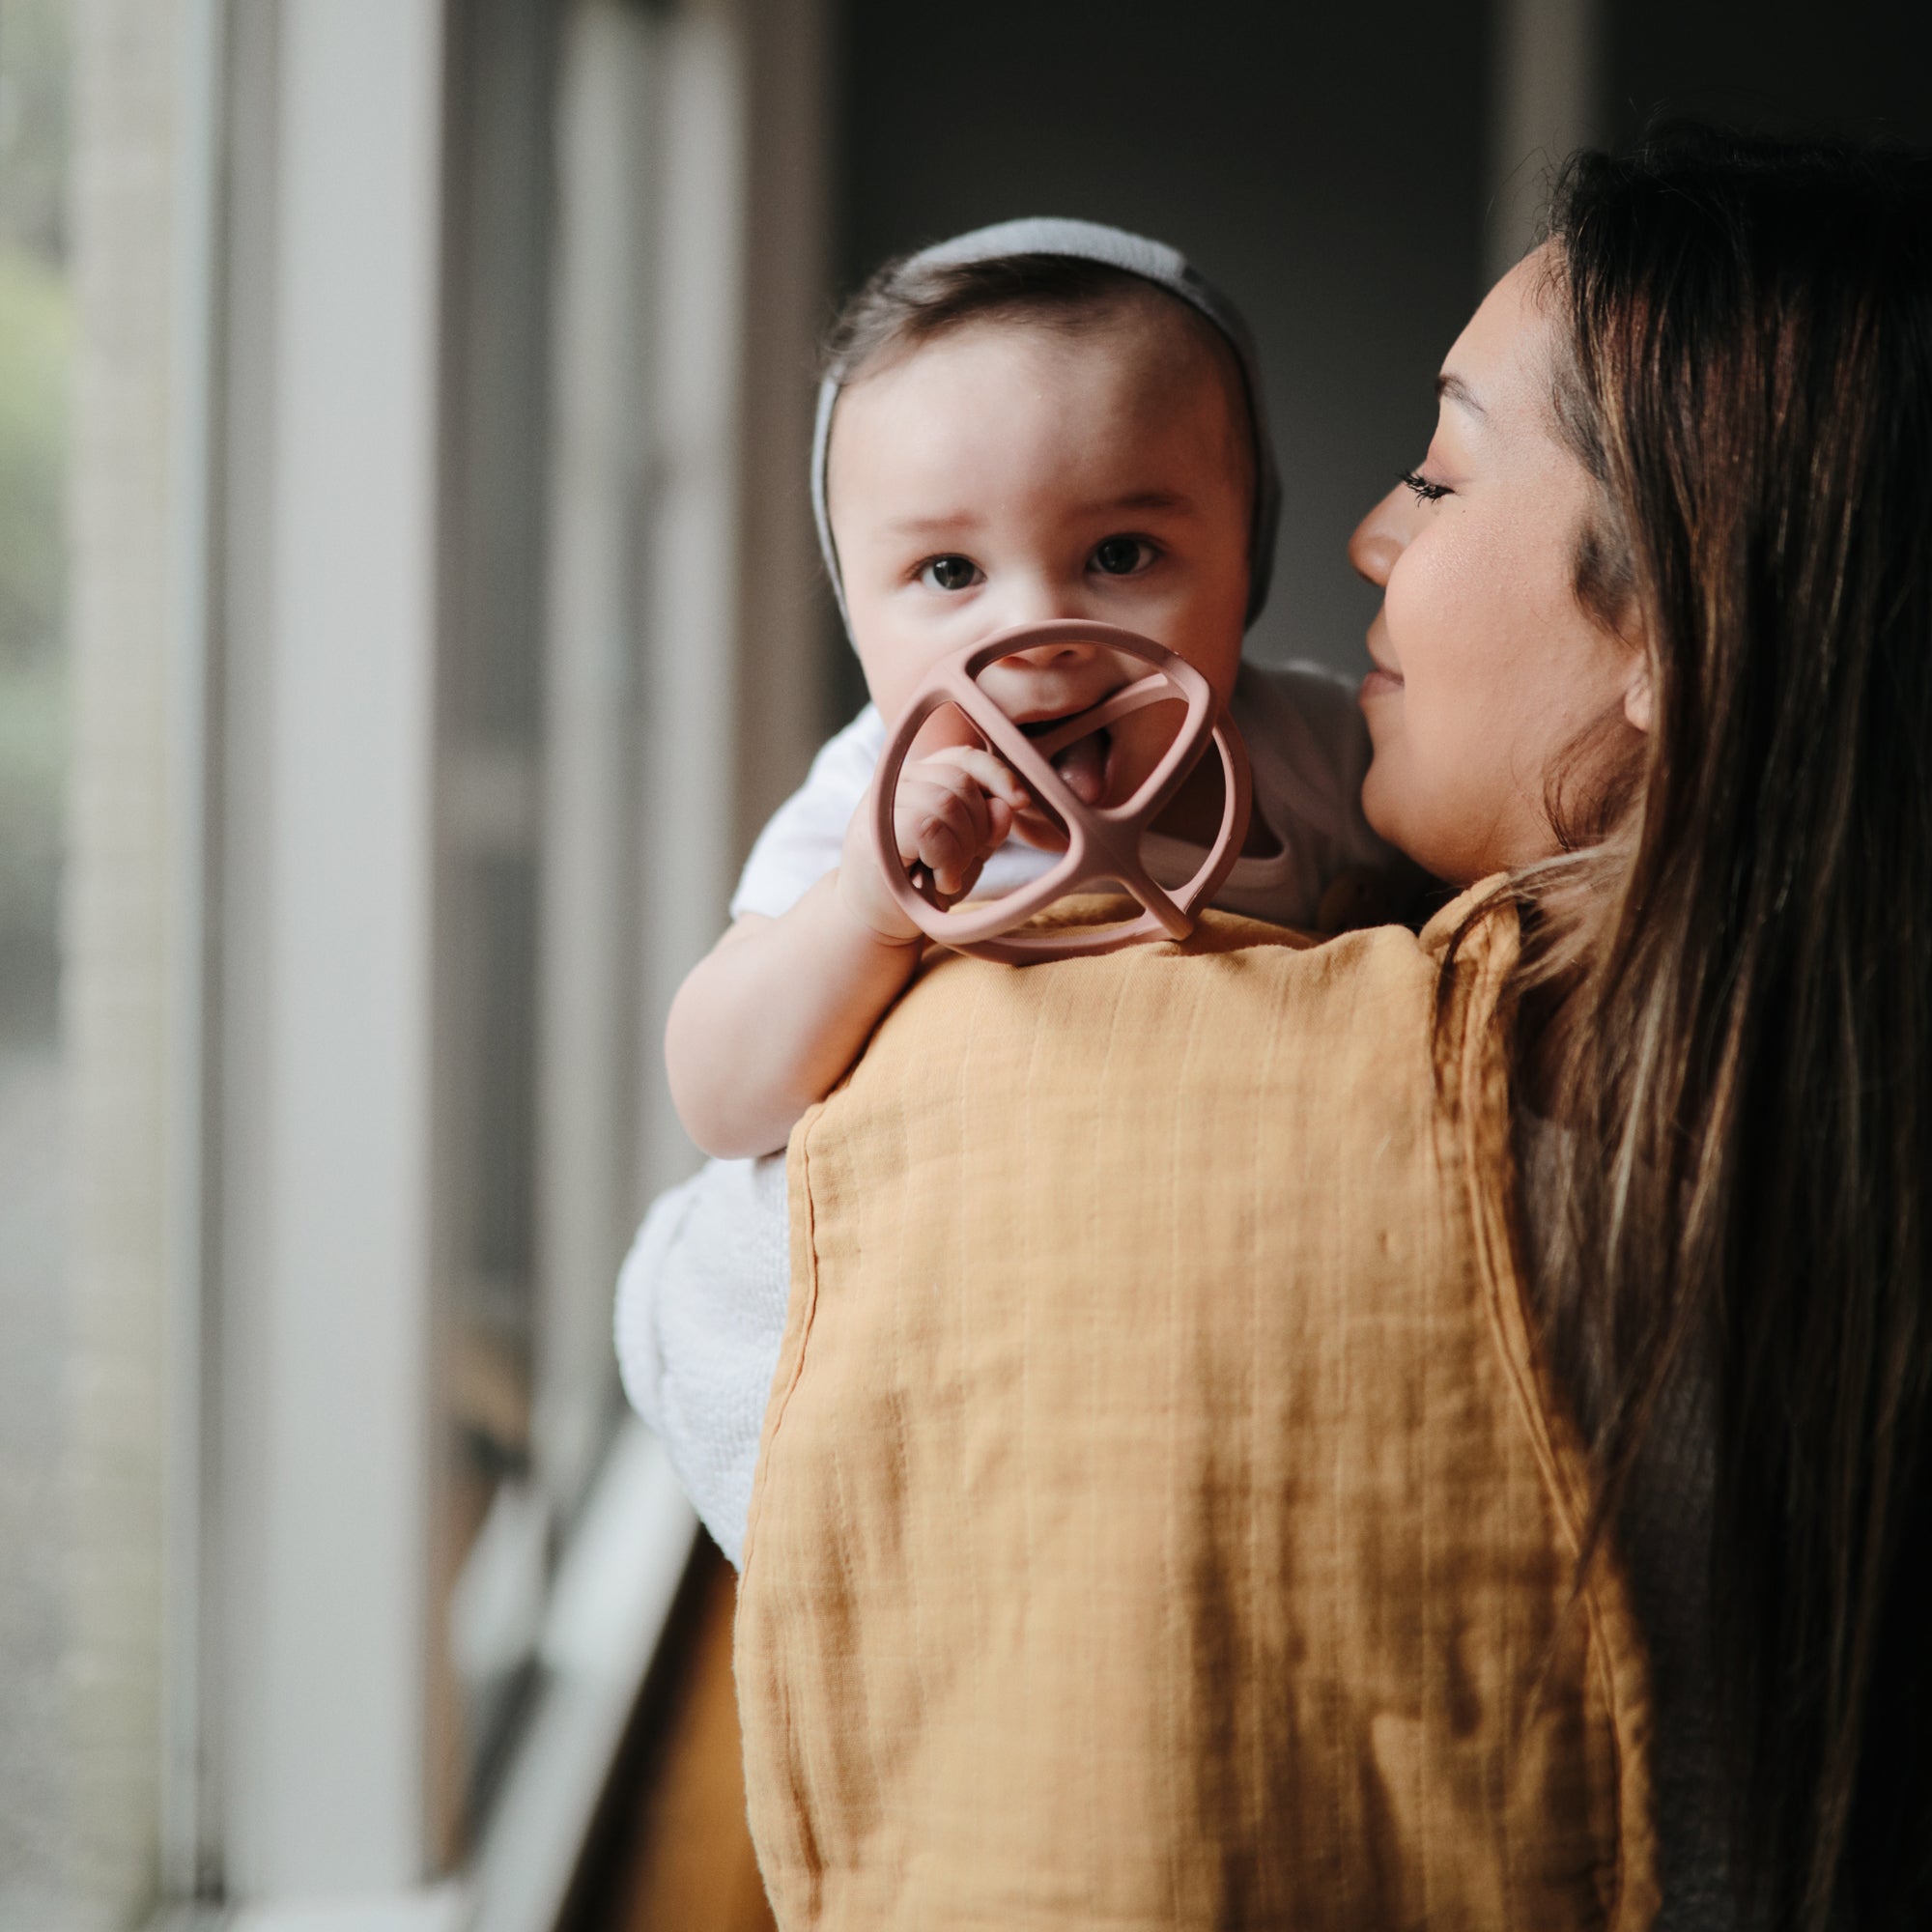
(1453,389)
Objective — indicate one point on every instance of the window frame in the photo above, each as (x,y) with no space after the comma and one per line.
(301,1757)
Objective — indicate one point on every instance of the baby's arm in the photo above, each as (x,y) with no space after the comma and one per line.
(771,1017)
(766,1022)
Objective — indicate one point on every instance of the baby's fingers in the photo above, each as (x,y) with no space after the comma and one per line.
(948,823)
(993,775)
(937,829)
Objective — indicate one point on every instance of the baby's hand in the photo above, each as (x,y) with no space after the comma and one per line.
(953,811)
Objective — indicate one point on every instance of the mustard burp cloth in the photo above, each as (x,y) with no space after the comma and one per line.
(1161,1517)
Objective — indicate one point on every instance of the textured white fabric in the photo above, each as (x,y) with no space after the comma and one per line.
(1307,745)
(701,1298)
(700,1314)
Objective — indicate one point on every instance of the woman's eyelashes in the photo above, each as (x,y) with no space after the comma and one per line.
(950,573)
(1424,491)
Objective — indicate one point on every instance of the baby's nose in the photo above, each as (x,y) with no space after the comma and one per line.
(1060,654)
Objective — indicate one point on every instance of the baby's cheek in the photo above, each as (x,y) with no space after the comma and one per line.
(1140,740)
(897,659)
(1205,627)
(948,727)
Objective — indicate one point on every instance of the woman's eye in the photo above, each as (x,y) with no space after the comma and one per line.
(1425,490)
(1122,557)
(950,573)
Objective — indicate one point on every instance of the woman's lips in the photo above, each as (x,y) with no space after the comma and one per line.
(1380,683)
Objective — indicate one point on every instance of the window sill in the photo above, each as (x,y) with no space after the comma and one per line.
(607,1613)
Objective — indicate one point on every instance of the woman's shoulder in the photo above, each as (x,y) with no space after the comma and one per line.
(1463,928)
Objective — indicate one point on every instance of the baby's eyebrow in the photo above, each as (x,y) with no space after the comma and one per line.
(944,521)
(1143,499)
(957,523)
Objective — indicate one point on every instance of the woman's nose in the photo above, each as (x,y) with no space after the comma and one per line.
(1379,540)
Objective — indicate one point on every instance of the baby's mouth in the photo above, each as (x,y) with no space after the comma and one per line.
(1082,766)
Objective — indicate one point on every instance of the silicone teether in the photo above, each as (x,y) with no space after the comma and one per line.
(1103,841)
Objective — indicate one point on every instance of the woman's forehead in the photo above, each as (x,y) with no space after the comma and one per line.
(1497,372)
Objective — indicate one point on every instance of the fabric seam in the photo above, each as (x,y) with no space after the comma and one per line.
(780,1397)
(1611,1625)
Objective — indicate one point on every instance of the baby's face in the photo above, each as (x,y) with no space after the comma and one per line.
(1010,473)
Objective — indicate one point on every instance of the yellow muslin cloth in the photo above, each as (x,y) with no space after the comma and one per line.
(1163,1518)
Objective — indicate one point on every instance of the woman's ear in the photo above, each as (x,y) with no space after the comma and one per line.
(1639,708)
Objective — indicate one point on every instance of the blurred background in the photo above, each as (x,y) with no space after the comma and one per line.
(409,612)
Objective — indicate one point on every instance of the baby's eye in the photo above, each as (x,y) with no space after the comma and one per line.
(950,573)
(1122,557)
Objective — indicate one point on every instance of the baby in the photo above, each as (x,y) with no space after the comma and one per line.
(1041,419)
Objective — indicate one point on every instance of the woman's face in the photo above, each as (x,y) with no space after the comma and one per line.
(1487,672)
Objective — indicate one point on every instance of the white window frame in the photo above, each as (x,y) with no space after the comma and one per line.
(297,1787)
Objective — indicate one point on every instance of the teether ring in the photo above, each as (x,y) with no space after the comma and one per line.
(1103,841)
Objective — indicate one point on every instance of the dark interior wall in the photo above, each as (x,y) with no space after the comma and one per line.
(1326,163)
(1856,68)
(1323,163)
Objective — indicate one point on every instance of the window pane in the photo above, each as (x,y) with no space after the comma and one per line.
(36,1633)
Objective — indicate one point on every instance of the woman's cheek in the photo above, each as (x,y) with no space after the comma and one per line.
(1430,786)
(1402,791)
(1419,808)
(1382,796)
(1427,601)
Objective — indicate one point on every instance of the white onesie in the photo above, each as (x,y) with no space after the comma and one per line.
(701,1298)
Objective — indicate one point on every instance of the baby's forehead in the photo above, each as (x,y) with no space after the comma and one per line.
(1139,344)
(1025,373)
(1130,397)
(1139,331)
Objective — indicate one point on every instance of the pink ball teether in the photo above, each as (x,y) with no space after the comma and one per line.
(1103,841)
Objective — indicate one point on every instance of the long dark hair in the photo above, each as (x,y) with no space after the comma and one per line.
(1747,1038)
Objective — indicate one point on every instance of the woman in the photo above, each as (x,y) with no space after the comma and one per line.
(1725,864)
(1656,645)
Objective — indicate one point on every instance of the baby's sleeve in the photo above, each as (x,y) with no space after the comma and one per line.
(702,1296)
(1309,748)
(802,840)
(699,1320)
